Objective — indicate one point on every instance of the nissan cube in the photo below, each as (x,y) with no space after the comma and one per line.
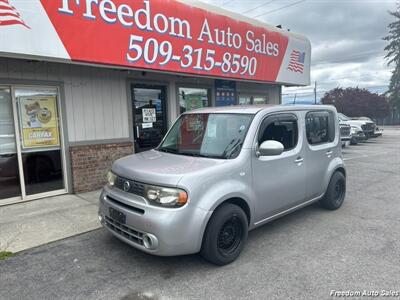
(220,172)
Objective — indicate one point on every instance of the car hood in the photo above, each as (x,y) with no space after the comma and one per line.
(160,168)
(356,122)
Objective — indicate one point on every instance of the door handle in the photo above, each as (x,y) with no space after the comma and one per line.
(299,160)
(329,153)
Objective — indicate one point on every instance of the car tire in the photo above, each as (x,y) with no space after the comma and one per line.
(335,193)
(225,235)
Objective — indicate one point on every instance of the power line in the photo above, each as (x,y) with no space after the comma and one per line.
(280,8)
(258,6)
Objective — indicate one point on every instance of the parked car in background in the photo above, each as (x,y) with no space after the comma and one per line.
(220,172)
(357,135)
(378,132)
(345,133)
(367,126)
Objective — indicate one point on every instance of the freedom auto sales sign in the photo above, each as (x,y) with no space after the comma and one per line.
(165,35)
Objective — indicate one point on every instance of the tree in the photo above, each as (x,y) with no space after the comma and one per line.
(393,56)
(356,102)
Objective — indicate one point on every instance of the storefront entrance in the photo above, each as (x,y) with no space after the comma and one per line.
(149,115)
(31,156)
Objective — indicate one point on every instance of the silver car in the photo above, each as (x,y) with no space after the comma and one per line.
(220,172)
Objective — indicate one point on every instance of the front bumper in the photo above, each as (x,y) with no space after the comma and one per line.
(358,137)
(173,231)
(378,133)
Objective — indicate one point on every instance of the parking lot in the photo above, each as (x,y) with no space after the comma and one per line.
(305,255)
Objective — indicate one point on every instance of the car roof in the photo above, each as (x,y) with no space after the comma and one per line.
(254,109)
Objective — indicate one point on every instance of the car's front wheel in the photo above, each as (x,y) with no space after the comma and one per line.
(225,235)
(336,192)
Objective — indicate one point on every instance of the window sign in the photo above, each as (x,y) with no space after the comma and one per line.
(38,116)
(147,125)
(225,92)
(149,115)
(194,101)
(193,98)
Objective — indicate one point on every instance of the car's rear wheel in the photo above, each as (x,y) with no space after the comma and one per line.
(225,235)
(336,192)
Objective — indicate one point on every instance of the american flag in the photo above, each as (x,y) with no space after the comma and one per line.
(9,15)
(296,63)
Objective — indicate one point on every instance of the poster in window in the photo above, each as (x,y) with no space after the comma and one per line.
(39,121)
(225,92)
(149,115)
(194,101)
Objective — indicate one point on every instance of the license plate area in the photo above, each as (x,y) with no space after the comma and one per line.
(117,215)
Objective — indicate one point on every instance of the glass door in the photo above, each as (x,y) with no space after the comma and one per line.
(149,116)
(40,136)
(10,186)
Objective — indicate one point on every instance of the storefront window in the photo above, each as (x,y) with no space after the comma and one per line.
(9,173)
(248,100)
(260,100)
(192,98)
(149,115)
(40,140)
(244,100)
(35,164)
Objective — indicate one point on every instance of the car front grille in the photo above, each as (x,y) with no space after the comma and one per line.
(124,231)
(129,207)
(134,186)
(368,127)
(345,130)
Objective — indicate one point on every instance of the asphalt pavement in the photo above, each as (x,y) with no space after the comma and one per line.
(306,255)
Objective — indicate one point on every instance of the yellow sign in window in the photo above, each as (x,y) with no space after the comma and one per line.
(39,121)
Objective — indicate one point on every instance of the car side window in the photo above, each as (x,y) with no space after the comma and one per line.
(283,129)
(320,127)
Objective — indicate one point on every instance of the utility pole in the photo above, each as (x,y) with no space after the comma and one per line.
(315,92)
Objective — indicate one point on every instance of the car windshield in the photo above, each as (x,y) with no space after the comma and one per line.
(207,135)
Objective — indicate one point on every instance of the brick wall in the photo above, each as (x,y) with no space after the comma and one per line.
(91,163)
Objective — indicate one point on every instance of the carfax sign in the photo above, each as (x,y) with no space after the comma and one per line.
(39,119)
(165,35)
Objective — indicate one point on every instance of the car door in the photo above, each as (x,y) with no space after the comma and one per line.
(279,181)
(321,149)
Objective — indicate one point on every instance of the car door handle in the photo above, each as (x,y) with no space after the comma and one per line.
(299,160)
(329,153)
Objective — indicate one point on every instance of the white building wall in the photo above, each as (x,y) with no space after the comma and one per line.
(95,98)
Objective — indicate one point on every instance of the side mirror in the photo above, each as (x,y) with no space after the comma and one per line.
(270,148)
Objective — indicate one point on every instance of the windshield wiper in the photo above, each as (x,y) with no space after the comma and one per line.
(199,155)
(229,149)
(167,150)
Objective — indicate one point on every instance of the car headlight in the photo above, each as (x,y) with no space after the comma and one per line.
(353,130)
(166,197)
(111,177)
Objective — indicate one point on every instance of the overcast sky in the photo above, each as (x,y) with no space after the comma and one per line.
(346,38)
